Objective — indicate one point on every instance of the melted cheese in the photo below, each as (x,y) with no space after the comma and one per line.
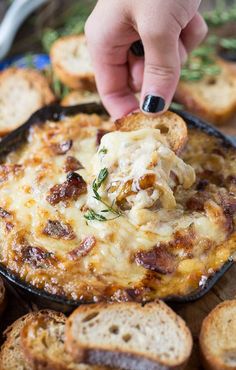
(110,266)
(142,171)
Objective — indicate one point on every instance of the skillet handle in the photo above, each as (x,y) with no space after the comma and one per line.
(15,16)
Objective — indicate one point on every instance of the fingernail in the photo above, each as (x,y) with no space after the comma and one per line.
(153,104)
(137,48)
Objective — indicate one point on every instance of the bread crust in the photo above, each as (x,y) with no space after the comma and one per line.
(210,360)
(126,361)
(112,357)
(38,360)
(80,97)
(77,81)
(187,95)
(169,123)
(9,342)
(35,360)
(36,80)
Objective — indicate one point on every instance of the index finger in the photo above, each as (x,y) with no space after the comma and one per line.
(109,42)
(113,85)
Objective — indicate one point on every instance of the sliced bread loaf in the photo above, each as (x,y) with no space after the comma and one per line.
(71,62)
(11,355)
(213,98)
(42,340)
(22,91)
(170,124)
(129,336)
(80,97)
(218,337)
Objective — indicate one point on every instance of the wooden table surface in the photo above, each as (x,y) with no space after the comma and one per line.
(193,312)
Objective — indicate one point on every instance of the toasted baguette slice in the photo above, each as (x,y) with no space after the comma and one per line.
(170,124)
(71,62)
(11,355)
(80,97)
(218,337)
(42,341)
(213,98)
(129,336)
(22,91)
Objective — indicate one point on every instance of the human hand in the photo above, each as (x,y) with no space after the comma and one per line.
(169,29)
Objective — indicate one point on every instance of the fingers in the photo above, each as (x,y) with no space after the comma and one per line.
(109,53)
(182,52)
(136,70)
(194,33)
(167,29)
(162,70)
(113,87)
(113,83)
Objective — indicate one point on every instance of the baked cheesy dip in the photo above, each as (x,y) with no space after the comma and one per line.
(90,214)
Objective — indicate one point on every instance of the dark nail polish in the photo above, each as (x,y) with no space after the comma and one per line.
(137,48)
(153,104)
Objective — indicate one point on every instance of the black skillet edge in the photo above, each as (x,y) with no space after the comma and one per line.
(56,113)
(52,112)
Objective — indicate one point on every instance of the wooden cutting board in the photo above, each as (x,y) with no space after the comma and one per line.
(193,313)
(230,128)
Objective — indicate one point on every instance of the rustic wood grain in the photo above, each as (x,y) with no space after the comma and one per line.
(193,313)
(230,128)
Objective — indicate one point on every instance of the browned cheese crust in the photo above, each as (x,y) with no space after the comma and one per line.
(48,243)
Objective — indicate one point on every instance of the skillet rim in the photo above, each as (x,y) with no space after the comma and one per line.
(56,112)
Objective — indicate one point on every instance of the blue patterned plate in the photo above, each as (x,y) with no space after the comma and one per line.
(38,61)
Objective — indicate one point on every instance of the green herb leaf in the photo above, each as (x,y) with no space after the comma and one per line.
(71,21)
(102,177)
(201,62)
(220,15)
(48,38)
(228,43)
(96,195)
(102,151)
(95,188)
(91,215)
(176,106)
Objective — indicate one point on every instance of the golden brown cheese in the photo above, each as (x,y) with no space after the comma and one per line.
(142,171)
(48,242)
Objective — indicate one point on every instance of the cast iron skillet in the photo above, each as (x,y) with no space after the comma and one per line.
(55,112)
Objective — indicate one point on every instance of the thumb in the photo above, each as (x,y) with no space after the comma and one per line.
(161,73)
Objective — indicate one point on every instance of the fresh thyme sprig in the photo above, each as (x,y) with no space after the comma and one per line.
(200,63)
(220,15)
(101,178)
(59,89)
(91,214)
(228,43)
(71,22)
